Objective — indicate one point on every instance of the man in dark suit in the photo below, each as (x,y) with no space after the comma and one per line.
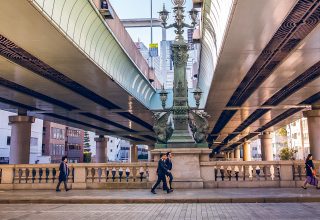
(169,166)
(162,171)
(64,173)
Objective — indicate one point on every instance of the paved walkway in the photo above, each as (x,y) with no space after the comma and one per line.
(160,211)
(233,195)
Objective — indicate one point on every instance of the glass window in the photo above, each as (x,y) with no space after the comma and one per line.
(8,140)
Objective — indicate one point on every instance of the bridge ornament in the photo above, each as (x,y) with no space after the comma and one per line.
(180,126)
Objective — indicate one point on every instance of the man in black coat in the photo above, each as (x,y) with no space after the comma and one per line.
(169,166)
(64,173)
(162,171)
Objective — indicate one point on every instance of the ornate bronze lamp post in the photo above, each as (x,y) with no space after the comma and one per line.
(180,126)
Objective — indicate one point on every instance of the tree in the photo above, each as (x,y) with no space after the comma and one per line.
(86,148)
(287,153)
(86,142)
(282,132)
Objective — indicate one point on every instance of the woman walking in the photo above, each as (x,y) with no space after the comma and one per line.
(311,173)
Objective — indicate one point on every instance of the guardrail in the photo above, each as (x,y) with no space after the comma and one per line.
(214,174)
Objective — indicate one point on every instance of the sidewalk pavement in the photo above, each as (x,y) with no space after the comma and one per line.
(231,195)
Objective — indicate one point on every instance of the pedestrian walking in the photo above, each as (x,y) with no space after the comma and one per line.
(169,166)
(311,173)
(64,173)
(162,171)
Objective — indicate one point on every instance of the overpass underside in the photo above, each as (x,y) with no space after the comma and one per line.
(63,62)
(263,71)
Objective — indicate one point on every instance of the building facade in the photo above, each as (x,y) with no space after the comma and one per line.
(60,140)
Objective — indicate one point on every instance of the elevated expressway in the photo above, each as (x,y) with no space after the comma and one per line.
(62,61)
(260,66)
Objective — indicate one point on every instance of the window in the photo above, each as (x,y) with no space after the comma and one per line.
(43,148)
(8,140)
(110,150)
(57,133)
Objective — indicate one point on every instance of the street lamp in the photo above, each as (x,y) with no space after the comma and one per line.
(179,18)
(193,16)
(163,97)
(164,16)
(172,127)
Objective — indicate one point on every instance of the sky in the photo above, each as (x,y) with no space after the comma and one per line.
(141,9)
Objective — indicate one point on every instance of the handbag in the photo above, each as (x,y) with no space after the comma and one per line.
(314,172)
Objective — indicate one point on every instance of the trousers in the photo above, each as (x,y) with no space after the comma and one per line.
(163,179)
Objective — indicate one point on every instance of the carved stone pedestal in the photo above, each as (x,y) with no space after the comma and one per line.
(186,166)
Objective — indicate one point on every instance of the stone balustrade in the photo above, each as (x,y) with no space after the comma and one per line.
(214,174)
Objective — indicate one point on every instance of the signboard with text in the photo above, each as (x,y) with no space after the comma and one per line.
(153,50)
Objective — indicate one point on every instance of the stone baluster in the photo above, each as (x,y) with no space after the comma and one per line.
(50,175)
(215,170)
(55,175)
(229,172)
(127,174)
(250,171)
(107,173)
(222,173)
(99,172)
(134,173)
(265,172)
(272,172)
(93,173)
(103,173)
(41,174)
(258,172)
(236,172)
(28,175)
(113,173)
(141,173)
(23,175)
(120,172)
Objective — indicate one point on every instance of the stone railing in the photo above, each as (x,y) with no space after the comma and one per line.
(223,174)
(214,174)
(116,175)
(81,176)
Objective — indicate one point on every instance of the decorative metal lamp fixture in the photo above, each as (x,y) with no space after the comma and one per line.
(193,16)
(172,126)
(164,16)
(163,97)
(197,96)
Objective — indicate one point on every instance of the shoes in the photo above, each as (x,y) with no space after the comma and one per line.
(318,187)
(153,192)
(169,190)
(58,190)
(303,187)
(68,189)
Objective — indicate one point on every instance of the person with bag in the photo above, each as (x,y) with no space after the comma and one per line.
(311,173)
(162,171)
(64,173)
(169,177)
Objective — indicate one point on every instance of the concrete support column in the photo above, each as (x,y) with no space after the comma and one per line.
(133,153)
(266,146)
(313,117)
(20,138)
(237,153)
(101,147)
(246,151)
(232,154)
